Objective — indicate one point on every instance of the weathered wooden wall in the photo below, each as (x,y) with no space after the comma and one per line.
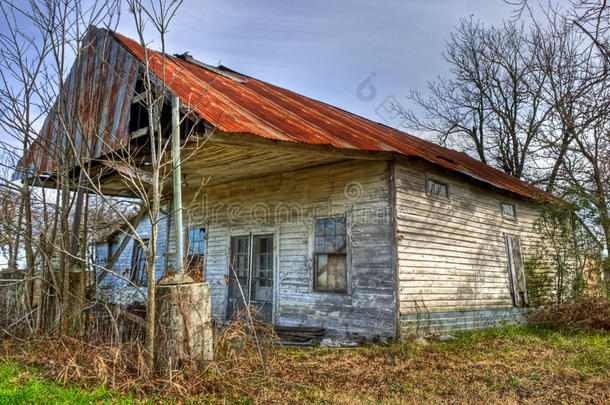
(286,205)
(11,293)
(451,252)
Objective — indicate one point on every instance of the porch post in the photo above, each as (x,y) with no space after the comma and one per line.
(183,311)
(177,177)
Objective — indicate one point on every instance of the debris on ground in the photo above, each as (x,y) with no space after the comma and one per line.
(332,342)
(421,341)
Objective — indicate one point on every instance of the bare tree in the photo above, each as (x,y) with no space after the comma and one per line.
(160,18)
(144,163)
(40,41)
(491,105)
(67,142)
(530,97)
(22,63)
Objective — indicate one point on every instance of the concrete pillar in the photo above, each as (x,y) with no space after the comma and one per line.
(184,328)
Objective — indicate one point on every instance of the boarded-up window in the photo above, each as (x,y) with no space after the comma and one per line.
(434,187)
(330,256)
(516,270)
(138,264)
(508,210)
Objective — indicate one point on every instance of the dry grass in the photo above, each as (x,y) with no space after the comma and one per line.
(588,315)
(507,365)
(514,367)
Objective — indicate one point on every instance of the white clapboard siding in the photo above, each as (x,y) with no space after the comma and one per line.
(286,205)
(451,252)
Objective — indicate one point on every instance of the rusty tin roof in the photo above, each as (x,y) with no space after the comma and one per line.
(98,92)
(233,102)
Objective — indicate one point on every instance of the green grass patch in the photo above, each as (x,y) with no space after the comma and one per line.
(20,385)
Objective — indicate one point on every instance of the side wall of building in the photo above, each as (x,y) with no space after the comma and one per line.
(452,257)
(287,205)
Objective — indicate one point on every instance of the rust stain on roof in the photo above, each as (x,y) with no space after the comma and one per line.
(94,110)
(252,106)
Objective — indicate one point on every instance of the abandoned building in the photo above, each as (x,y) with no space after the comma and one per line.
(323,218)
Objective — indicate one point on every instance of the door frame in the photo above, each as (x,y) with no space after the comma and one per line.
(251,233)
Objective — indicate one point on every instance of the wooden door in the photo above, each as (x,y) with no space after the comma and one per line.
(516,270)
(261,284)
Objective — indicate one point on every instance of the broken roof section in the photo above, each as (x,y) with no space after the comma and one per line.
(237,103)
(97,97)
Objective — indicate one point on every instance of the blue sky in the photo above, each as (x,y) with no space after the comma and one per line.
(326,49)
(359,55)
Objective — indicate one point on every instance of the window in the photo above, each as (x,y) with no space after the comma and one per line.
(98,255)
(112,248)
(196,241)
(195,255)
(330,259)
(434,187)
(508,210)
(95,257)
(138,274)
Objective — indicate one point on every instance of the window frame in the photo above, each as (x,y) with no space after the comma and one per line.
(113,245)
(444,183)
(143,281)
(315,255)
(97,260)
(511,217)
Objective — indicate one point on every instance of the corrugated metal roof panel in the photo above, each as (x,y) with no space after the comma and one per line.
(252,106)
(260,108)
(98,90)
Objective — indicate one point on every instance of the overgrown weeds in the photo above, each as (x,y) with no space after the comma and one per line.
(592,314)
(239,366)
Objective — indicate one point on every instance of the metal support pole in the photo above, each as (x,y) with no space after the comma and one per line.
(177,185)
